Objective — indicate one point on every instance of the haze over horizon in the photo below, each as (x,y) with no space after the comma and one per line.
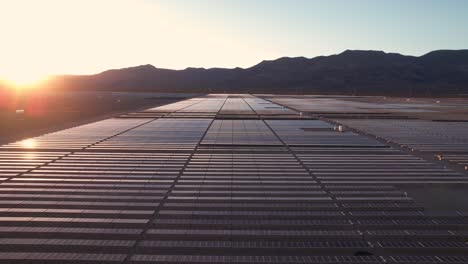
(85,37)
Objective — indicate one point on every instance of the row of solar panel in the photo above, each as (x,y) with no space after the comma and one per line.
(128,195)
(447,140)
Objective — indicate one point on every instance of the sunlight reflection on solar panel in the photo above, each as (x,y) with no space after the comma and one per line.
(234,178)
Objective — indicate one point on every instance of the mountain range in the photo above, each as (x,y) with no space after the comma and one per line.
(441,72)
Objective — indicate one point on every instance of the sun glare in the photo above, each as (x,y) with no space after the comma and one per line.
(24,80)
(28,143)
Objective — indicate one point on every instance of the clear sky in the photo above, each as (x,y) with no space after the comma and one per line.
(40,37)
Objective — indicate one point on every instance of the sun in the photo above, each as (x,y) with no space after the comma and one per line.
(22,80)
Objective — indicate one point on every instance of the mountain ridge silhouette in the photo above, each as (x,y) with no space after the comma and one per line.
(350,72)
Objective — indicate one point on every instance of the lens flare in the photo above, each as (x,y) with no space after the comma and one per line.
(24,80)
(28,143)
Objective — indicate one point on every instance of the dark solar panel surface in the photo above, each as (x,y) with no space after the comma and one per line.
(231,179)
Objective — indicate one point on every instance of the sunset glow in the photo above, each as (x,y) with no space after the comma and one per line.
(25,80)
(47,37)
(41,38)
(234,131)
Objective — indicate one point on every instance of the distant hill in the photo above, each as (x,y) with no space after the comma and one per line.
(351,72)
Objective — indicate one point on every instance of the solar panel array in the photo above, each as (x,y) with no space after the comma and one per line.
(446,140)
(220,179)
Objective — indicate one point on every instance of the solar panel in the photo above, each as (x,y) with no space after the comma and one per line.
(236,179)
